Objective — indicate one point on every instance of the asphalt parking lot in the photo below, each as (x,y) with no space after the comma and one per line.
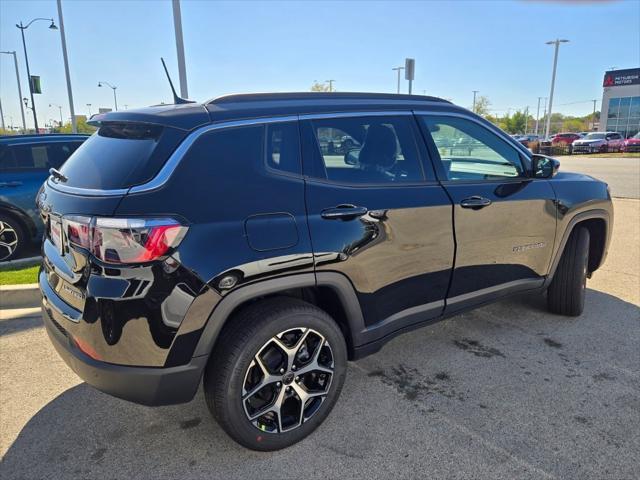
(507,391)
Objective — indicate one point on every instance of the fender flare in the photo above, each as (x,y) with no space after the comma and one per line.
(336,281)
(580,217)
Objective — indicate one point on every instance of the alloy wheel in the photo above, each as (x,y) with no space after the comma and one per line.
(287,380)
(8,240)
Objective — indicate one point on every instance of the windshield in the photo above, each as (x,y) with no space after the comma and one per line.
(636,136)
(595,136)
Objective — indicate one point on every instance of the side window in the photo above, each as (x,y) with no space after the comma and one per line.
(27,157)
(368,150)
(7,159)
(469,151)
(283,147)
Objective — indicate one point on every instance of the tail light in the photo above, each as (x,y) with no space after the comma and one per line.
(124,240)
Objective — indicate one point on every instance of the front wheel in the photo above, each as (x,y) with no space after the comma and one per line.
(566,293)
(276,374)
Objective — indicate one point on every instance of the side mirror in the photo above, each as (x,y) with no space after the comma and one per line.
(351,157)
(545,167)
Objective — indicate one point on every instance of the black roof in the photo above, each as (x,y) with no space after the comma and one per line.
(252,105)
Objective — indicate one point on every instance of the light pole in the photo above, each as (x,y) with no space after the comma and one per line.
(89,109)
(26,61)
(557,43)
(59,107)
(538,115)
(115,99)
(177,26)
(1,117)
(15,62)
(473,109)
(74,126)
(399,69)
(330,82)
(593,117)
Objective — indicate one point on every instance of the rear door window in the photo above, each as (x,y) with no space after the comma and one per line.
(121,155)
(367,150)
(39,156)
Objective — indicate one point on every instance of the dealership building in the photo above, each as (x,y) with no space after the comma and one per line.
(621,102)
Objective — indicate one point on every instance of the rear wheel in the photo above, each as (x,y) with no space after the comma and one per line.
(12,238)
(566,293)
(276,374)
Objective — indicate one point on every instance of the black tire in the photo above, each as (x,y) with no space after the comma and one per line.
(565,295)
(239,343)
(11,231)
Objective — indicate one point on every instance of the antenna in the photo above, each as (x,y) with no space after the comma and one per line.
(176,99)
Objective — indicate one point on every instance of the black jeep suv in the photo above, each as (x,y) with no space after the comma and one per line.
(225,241)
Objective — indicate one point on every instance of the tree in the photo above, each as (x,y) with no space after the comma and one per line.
(516,123)
(482,106)
(83,126)
(320,87)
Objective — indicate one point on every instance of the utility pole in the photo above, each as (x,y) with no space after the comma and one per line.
(398,69)
(526,119)
(473,109)
(538,115)
(74,126)
(330,82)
(15,63)
(59,107)
(557,43)
(593,116)
(1,116)
(182,69)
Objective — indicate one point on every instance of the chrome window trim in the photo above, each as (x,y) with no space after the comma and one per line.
(162,177)
(493,128)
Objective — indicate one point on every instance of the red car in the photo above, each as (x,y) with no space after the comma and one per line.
(564,138)
(632,144)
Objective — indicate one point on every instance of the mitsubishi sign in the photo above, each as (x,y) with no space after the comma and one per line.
(619,78)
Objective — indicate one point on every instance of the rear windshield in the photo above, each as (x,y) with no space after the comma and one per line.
(120,155)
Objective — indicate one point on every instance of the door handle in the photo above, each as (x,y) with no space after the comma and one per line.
(475,202)
(343,212)
(10,184)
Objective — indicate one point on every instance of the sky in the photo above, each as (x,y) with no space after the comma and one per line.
(495,47)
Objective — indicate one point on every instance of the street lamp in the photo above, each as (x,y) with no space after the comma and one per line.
(89,108)
(26,60)
(59,107)
(399,69)
(115,99)
(557,43)
(474,100)
(15,62)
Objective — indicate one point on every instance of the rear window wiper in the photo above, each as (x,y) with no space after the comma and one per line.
(57,175)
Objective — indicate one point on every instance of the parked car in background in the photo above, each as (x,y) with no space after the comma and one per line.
(599,142)
(564,138)
(632,144)
(25,161)
(527,139)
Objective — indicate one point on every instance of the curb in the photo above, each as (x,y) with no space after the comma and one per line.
(20,296)
(21,261)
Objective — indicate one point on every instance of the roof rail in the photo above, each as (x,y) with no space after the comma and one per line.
(263,97)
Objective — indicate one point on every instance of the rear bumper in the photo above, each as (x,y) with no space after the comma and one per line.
(144,385)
